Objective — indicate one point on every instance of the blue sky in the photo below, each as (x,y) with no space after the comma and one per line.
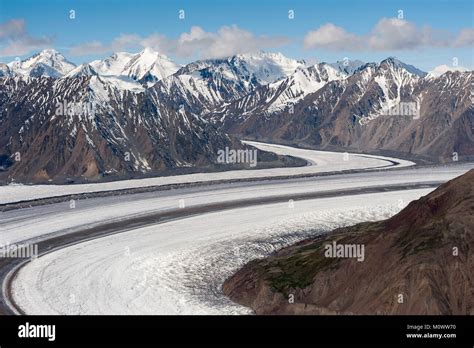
(432,32)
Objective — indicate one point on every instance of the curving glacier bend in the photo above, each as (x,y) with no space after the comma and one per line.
(178,266)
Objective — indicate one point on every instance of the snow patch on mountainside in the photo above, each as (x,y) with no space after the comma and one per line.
(124,83)
(301,83)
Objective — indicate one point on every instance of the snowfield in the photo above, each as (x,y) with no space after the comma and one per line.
(321,161)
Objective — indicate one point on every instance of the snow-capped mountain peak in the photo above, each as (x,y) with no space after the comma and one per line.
(393,63)
(251,68)
(150,66)
(48,62)
(347,67)
(301,83)
(280,95)
(112,65)
(266,67)
(81,71)
(147,66)
(206,84)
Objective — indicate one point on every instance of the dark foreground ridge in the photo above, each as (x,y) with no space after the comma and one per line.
(420,261)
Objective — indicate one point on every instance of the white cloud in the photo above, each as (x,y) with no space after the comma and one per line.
(227,41)
(441,69)
(395,34)
(12,29)
(15,40)
(465,38)
(120,43)
(333,38)
(388,34)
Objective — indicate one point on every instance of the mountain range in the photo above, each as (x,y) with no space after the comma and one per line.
(143,113)
(328,109)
